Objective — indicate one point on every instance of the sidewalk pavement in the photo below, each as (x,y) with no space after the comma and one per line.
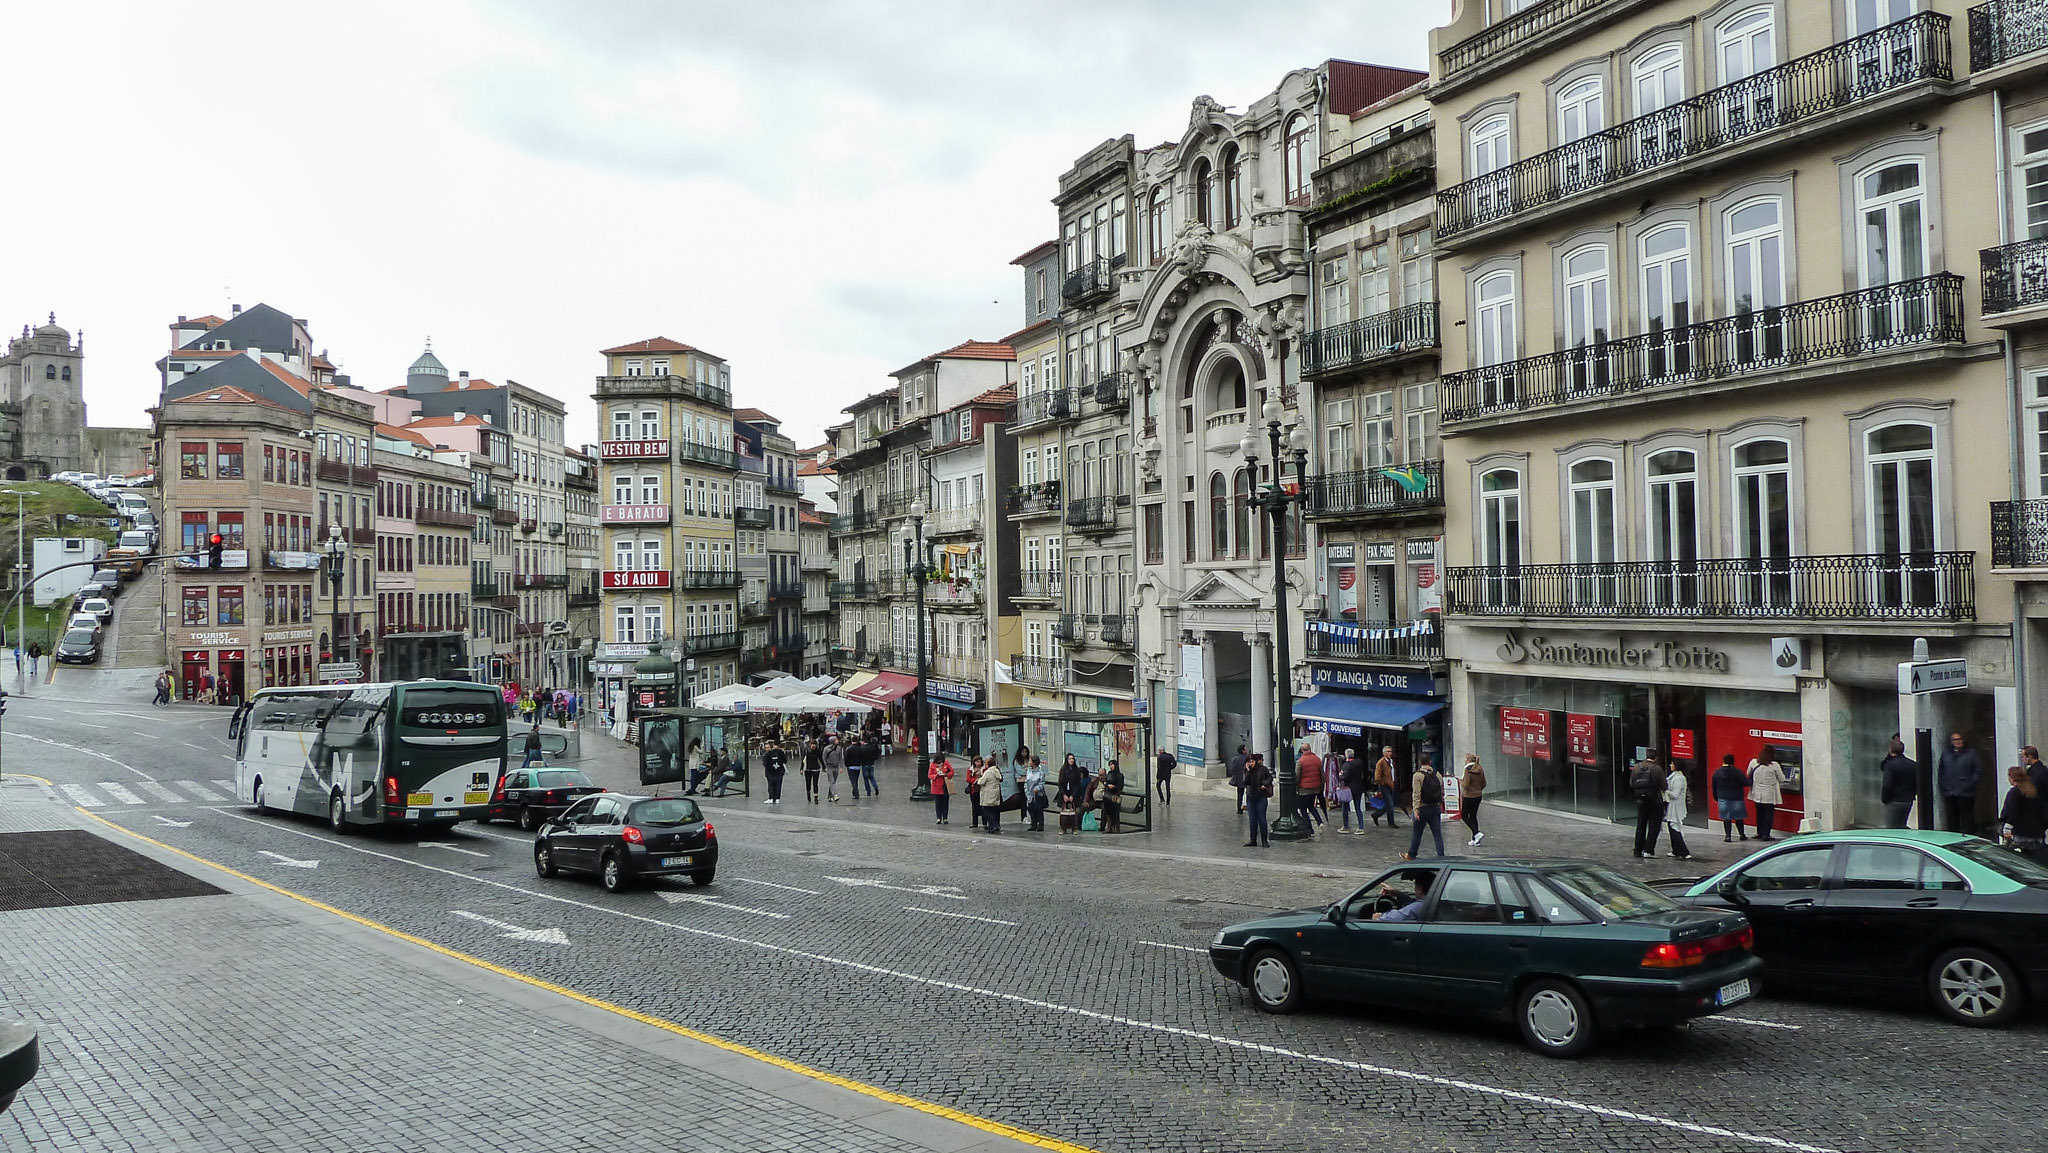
(155,1037)
(1201,823)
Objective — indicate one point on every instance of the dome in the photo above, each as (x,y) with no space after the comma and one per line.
(428,364)
(655,664)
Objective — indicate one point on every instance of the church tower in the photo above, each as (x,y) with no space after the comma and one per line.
(42,403)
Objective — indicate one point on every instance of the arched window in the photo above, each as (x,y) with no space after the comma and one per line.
(1241,514)
(1500,535)
(1581,110)
(1297,158)
(67,372)
(1219,517)
(1903,526)
(49,372)
(1659,78)
(1156,231)
(1187,406)
(1487,144)
(1745,45)
(1205,191)
(1233,187)
(1227,394)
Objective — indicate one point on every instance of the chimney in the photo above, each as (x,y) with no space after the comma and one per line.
(234,310)
(460,414)
(464,374)
(181,320)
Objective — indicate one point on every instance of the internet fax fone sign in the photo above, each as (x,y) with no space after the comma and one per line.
(1933,676)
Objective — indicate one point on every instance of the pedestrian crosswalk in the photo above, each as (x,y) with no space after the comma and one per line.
(102,793)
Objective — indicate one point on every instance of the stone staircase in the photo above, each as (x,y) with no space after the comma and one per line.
(139,624)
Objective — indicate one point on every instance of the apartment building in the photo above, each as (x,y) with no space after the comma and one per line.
(422,557)
(475,443)
(1032,592)
(815,566)
(669,477)
(1708,356)
(581,484)
(774,582)
(971,462)
(859,464)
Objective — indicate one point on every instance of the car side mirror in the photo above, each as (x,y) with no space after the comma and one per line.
(1730,890)
(1335,913)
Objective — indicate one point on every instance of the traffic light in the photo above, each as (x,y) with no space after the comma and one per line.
(213,544)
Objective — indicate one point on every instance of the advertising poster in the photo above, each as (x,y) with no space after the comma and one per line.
(1086,749)
(1682,746)
(1340,581)
(1194,711)
(1525,733)
(1425,573)
(1582,739)
(661,747)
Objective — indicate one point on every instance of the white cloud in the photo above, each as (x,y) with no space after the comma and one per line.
(819,190)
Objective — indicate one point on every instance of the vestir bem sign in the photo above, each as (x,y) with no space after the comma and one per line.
(1611,653)
(633,449)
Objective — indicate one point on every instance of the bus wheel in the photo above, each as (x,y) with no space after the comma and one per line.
(256,799)
(337,815)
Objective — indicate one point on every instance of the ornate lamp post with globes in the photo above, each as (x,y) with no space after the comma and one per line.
(1277,497)
(917,563)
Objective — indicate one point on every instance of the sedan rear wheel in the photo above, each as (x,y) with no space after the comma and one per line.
(1974,986)
(529,818)
(1556,1021)
(1274,981)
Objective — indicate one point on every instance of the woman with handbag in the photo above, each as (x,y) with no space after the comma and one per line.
(970,785)
(991,786)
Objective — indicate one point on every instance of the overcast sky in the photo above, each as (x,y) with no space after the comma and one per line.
(820,191)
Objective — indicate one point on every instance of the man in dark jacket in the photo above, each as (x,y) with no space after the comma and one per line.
(1237,776)
(1957,775)
(1164,782)
(1646,781)
(2030,760)
(774,762)
(1899,785)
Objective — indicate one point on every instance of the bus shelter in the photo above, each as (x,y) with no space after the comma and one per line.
(1095,739)
(673,740)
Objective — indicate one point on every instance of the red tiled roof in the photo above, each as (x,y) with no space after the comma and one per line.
(225,394)
(393,432)
(321,362)
(753,414)
(655,344)
(1003,395)
(296,382)
(965,350)
(469,384)
(811,518)
(207,321)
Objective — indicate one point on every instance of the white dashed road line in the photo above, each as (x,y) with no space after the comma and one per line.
(959,916)
(227,787)
(1181,948)
(120,793)
(78,794)
(773,885)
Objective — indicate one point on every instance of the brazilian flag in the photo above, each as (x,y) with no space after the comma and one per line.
(1411,479)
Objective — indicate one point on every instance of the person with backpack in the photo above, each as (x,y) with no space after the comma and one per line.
(534,755)
(1428,786)
(1646,781)
(1472,790)
(1237,769)
(1164,785)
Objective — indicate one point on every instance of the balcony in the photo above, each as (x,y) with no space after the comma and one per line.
(505,599)
(1366,492)
(1813,89)
(505,516)
(529,628)
(1469,53)
(2019,534)
(647,449)
(898,504)
(753,661)
(445,517)
(1119,631)
(718,458)
(1092,513)
(699,643)
(584,599)
(633,514)
(342,472)
(959,667)
(1930,586)
(1040,585)
(1088,283)
(537,580)
(556,528)
(1112,392)
(944,594)
(616,387)
(1384,337)
(1049,672)
(1039,407)
(789,485)
(952,521)
(1799,338)
(785,590)
(853,521)
(746,517)
(709,578)
(860,589)
(1420,642)
(323,533)
(755,610)
(1041,499)
(788,644)
(2015,279)
(2005,30)
(1069,629)
(483,500)
(529,526)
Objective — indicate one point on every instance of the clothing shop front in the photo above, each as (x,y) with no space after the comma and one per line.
(951,702)
(1370,708)
(1558,715)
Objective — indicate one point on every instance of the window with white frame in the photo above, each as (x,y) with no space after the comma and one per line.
(1493,331)
(1891,210)
(1375,280)
(1418,423)
(1298,151)
(1664,270)
(1158,235)
(622,489)
(1052,462)
(650,424)
(1672,524)
(622,424)
(625,624)
(650,488)
(1500,534)
(1586,319)
(1339,454)
(1592,527)
(1870,15)
(651,621)
(1418,268)
(1745,44)
(1376,428)
(1658,77)
(1334,273)
(1581,109)
(1486,145)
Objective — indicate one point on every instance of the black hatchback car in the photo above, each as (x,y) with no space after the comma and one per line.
(1562,948)
(531,796)
(624,838)
(79,647)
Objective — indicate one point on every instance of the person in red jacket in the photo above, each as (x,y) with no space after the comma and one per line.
(1308,789)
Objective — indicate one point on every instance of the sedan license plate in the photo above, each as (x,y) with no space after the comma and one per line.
(476,798)
(675,862)
(417,800)
(1730,994)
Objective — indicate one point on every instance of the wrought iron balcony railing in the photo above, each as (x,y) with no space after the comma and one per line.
(1367,339)
(1418,641)
(1854,71)
(1376,490)
(708,578)
(484,500)
(529,526)
(1069,629)
(720,458)
(1929,586)
(1924,311)
(755,610)
(1531,21)
(854,521)
(1088,282)
(1040,585)
(1037,407)
(785,590)
(2015,275)
(584,598)
(2005,30)
(2019,533)
(1092,512)
(1039,499)
(445,517)
(941,593)
(1050,672)
(1112,392)
(483,588)
(847,589)
(505,516)
(746,517)
(1119,631)
(712,642)
(611,387)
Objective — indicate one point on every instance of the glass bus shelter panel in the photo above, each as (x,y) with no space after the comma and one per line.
(674,739)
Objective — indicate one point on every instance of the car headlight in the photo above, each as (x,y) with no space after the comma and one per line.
(1217,939)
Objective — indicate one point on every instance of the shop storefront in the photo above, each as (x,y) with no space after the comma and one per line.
(213,668)
(1370,708)
(613,673)
(951,702)
(287,657)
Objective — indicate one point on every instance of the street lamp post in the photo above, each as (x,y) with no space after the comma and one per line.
(919,568)
(337,563)
(1276,499)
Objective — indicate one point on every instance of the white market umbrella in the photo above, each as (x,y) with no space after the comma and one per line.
(730,697)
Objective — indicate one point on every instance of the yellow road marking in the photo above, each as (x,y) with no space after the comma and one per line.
(984,1124)
(43,781)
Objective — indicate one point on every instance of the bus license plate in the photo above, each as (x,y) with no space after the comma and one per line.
(476,798)
(418,800)
(449,813)
(1729,994)
(675,862)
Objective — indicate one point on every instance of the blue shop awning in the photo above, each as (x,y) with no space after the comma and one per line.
(1350,714)
(957,706)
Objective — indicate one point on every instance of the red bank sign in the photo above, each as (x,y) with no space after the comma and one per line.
(640,578)
(634,450)
(1525,733)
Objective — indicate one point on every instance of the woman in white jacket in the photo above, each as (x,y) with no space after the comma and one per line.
(1674,812)
(1766,792)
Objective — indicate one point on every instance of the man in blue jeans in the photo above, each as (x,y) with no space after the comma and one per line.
(1429,809)
(533,753)
(1258,793)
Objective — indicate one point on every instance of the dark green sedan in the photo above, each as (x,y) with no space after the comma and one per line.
(1562,948)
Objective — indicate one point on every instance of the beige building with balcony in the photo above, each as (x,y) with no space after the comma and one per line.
(1715,399)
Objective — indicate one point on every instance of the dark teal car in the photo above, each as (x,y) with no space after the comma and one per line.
(1562,948)
(1895,915)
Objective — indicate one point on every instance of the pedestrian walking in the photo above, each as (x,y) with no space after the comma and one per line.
(1112,798)
(1258,793)
(1471,790)
(2024,816)
(1898,784)
(35,653)
(940,781)
(888,739)
(833,758)
(1428,790)
(1646,781)
(1725,787)
(1034,795)
(1675,789)
(774,763)
(163,689)
(1383,779)
(814,764)
(1351,790)
(1237,765)
(1958,773)
(989,791)
(534,756)
(1766,792)
(1164,782)
(1308,775)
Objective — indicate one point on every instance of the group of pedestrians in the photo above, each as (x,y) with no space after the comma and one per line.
(994,785)
(1344,784)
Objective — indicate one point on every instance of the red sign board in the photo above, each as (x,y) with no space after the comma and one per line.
(231,654)
(1581,738)
(646,700)
(1681,745)
(633,514)
(197,656)
(636,578)
(1525,733)
(634,450)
